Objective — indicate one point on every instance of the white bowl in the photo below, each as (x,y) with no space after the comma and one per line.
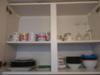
(74,66)
(90,64)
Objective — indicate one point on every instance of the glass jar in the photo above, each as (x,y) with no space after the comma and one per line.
(78,36)
(68,36)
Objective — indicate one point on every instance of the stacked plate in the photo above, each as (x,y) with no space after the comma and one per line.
(22,65)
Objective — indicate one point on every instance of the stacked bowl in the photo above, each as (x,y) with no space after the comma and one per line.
(89,61)
(73,62)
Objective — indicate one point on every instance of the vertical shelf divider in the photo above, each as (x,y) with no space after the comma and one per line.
(53,14)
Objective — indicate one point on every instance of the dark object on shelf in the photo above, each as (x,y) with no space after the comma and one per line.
(4,64)
(23,63)
(0,64)
(73,60)
(44,68)
(8,10)
(98,9)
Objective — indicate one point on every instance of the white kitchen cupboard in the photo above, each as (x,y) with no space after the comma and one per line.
(2,28)
(74,19)
(56,18)
(37,50)
(6,27)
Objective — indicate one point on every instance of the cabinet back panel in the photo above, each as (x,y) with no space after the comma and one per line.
(94,21)
(73,24)
(40,53)
(34,24)
(74,49)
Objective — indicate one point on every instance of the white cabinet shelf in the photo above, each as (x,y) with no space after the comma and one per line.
(27,42)
(80,42)
(71,72)
(59,42)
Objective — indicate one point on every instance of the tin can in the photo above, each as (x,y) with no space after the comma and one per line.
(44,36)
(41,37)
(24,36)
(13,36)
(47,36)
(32,36)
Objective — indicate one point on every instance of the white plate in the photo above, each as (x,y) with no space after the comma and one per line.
(19,69)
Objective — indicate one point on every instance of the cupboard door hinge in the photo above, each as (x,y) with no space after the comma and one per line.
(8,10)
(98,9)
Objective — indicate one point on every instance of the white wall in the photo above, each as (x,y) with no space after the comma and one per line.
(42,24)
(34,24)
(94,21)
(74,49)
(41,53)
(73,24)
